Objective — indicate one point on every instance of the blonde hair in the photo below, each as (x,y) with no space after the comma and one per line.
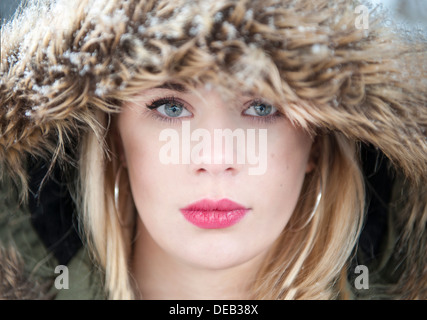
(108,239)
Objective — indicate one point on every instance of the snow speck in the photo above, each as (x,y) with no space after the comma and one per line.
(43,90)
(230,30)
(319,49)
(197,27)
(119,16)
(142,29)
(100,90)
(218,17)
(249,15)
(85,70)
(57,68)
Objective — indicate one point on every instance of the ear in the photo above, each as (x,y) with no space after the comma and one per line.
(314,155)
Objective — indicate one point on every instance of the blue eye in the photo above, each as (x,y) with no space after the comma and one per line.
(262,111)
(169,108)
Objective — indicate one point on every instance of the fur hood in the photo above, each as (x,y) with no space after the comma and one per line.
(14,281)
(62,61)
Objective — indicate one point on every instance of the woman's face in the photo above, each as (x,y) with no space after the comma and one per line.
(169,169)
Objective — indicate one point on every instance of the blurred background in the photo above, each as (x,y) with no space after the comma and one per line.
(411,12)
(7,8)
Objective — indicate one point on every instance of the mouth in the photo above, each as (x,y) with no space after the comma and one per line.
(211,214)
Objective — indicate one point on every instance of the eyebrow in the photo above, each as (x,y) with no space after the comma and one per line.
(173,86)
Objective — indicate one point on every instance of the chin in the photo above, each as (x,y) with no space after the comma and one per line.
(220,258)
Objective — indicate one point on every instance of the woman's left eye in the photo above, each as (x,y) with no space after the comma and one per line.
(260,109)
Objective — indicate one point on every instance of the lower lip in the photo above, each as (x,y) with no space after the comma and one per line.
(214,219)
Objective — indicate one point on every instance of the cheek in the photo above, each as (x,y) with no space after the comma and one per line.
(140,147)
(287,165)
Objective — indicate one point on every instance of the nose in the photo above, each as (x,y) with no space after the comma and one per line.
(218,149)
(218,146)
(219,161)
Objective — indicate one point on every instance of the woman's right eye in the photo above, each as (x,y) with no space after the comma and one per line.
(169,108)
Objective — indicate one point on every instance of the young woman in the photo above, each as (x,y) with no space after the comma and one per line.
(136,96)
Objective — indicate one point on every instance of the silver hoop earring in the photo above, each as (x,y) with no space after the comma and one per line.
(316,205)
(117,189)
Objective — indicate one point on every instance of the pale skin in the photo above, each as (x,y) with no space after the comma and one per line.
(174,259)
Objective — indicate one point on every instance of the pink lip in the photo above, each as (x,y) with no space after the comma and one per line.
(210,214)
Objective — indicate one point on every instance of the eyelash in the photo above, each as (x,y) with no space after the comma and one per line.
(156,103)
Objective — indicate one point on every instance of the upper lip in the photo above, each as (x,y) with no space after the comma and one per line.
(214,205)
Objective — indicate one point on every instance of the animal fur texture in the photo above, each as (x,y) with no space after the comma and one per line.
(61,61)
(15,284)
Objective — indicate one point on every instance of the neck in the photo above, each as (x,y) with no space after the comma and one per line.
(160,275)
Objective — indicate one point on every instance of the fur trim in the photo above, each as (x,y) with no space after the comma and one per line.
(15,284)
(56,69)
(61,61)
